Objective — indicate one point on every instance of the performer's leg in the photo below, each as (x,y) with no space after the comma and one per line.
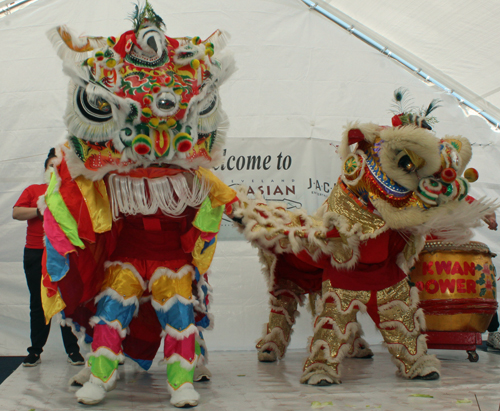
(173,301)
(401,324)
(204,321)
(71,346)
(335,330)
(39,331)
(116,306)
(285,298)
(493,333)
(360,347)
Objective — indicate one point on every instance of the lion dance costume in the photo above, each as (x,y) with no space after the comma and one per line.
(132,213)
(398,184)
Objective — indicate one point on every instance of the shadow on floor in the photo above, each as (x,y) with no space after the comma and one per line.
(8,365)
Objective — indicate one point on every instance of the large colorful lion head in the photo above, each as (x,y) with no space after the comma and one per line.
(405,168)
(143,98)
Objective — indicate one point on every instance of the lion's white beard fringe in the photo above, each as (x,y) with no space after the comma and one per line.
(170,194)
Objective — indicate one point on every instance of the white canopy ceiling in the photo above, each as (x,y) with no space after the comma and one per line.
(454,41)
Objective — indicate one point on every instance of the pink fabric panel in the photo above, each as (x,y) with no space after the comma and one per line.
(55,235)
(184,347)
(105,336)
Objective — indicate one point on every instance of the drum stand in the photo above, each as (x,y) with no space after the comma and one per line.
(455,340)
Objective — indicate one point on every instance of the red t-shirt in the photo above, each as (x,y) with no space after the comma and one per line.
(29,198)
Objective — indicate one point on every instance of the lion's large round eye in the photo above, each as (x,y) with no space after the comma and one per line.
(95,109)
(406,164)
(166,102)
(212,104)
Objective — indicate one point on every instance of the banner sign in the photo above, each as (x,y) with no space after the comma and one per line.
(298,171)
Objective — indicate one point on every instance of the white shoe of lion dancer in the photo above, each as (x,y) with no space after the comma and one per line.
(90,394)
(94,390)
(202,373)
(183,396)
(81,378)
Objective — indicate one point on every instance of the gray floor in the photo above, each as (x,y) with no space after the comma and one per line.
(240,382)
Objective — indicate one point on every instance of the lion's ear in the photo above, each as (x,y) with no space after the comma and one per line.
(355,135)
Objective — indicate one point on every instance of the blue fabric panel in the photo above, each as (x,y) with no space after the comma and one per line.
(144,364)
(111,310)
(57,265)
(179,316)
(207,244)
(204,322)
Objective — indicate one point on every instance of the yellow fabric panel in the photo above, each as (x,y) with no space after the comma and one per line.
(165,287)
(203,261)
(123,281)
(96,198)
(51,305)
(220,194)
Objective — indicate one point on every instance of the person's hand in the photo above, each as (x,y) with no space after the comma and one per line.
(491,221)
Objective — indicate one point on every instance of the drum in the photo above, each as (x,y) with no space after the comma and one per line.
(457,286)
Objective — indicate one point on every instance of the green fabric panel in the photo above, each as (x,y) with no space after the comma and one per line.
(62,215)
(208,219)
(177,375)
(102,367)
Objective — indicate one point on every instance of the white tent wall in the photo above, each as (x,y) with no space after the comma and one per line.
(300,76)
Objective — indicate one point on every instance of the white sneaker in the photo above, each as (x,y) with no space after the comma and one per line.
(494,340)
(183,396)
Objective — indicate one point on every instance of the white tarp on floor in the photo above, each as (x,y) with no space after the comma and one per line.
(300,78)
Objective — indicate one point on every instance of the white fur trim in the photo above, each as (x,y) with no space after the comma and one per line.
(185,395)
(113,324)
(166,272)
(91,393)
(117,297)
(106,352)
(171,301)
(187,365)
(180,335)
(320,370)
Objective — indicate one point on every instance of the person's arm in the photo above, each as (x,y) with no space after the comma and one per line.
(25,213)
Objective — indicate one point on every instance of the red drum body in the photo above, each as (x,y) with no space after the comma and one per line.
(457,286)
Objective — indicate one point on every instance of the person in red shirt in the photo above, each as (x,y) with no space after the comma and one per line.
(26,209)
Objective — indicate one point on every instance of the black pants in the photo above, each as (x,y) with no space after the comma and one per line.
(32,262)
(493,324)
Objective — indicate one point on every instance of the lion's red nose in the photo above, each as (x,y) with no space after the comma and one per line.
(448,175)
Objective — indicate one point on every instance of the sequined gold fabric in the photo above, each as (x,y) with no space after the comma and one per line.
(396,338)
(319,357)
(279,321)
(339,202)
(346,297)
(281,345)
